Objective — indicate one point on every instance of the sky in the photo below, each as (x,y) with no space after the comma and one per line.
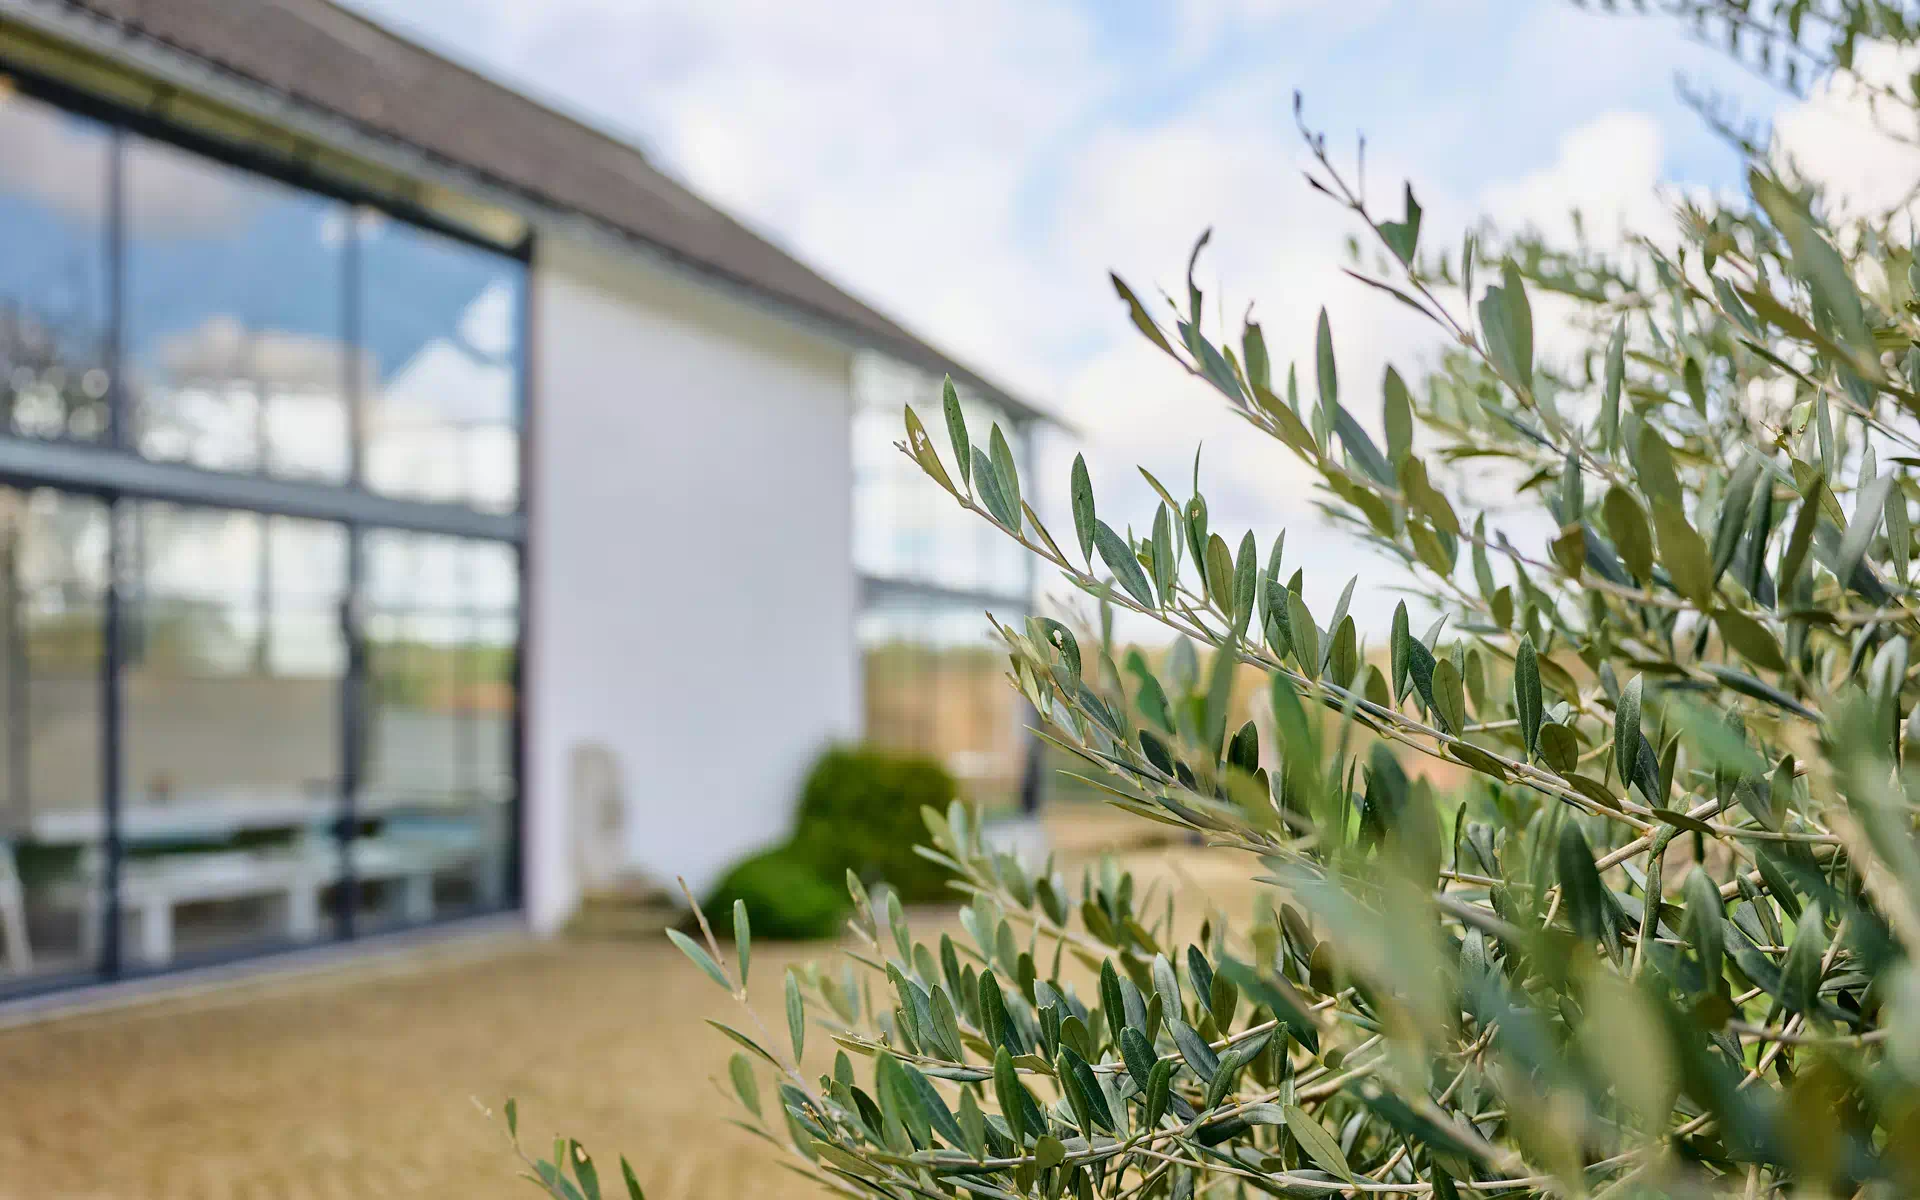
(976,168)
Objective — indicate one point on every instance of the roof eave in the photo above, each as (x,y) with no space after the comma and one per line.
(182,69)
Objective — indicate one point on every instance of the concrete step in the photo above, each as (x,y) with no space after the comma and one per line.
(634,909)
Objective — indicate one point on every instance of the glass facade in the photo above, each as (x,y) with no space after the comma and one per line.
(441,616)
(259,640)
(232,365)
(933,679)
(55,289)
(442,419)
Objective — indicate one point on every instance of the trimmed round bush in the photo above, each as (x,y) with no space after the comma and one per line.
(787,897)
(860,812)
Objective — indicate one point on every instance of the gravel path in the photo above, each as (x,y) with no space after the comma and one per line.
(359,1087)
(361,1084)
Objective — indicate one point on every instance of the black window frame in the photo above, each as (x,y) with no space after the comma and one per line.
(111,470)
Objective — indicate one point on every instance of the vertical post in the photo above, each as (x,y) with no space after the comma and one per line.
(351,351)
(1032,781)
(352,739)
(119,417)
(119,516)
(524,360)
(263,599)
(19,729)
(353,683)
(1029,430)
(467,614)
(1032,775)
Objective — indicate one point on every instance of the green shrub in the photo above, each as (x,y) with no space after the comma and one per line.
(1661,942)
(860,812)
(787,897)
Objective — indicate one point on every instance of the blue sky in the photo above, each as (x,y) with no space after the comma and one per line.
(975,168)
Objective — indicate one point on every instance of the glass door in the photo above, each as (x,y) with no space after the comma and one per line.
(53,572)
(232,664)
(432,814)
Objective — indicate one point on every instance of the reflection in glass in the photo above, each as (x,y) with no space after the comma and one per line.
(906,530)
(440,623)
(53,569)
(243,351)
(234,287)
(440,324)
(934,685)
(234,653)
(54,293)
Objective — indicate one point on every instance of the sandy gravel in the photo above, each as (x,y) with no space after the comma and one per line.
(361,1084)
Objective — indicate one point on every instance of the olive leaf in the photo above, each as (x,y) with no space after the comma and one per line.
(1683,553)
(1317,1143)
(1750,638)
(1304,635)
(1397,418)
(1403,236)
(700,958)
(1631,535)
(957,437)
(796,1015)
(1527,699)
(1447,697)
(1626,729)
(1081,488)
(1120,561)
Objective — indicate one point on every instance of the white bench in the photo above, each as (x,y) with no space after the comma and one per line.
(152,888)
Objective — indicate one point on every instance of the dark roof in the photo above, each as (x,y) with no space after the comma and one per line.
(320,55)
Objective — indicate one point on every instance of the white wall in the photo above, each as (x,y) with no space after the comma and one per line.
(692,581)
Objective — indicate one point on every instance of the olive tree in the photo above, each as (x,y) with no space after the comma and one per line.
(1661,944)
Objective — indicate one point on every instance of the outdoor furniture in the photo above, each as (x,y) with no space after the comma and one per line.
(152,888)
(417,843)
(415,856)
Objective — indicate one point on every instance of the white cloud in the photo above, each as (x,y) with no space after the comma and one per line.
(976,169)
(57,161)
(1276,244)
(1608,172)
(1835,136)
(60,162)
(1607,168)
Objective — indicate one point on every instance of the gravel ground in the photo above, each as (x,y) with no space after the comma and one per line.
(363,1083)
(359,1087)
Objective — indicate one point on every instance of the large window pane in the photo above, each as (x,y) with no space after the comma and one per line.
(234,653)
(440,323)
(935,685)
(435,807)
(53,569)
(54,291)
(906,529)
(234,318)
(241,348)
